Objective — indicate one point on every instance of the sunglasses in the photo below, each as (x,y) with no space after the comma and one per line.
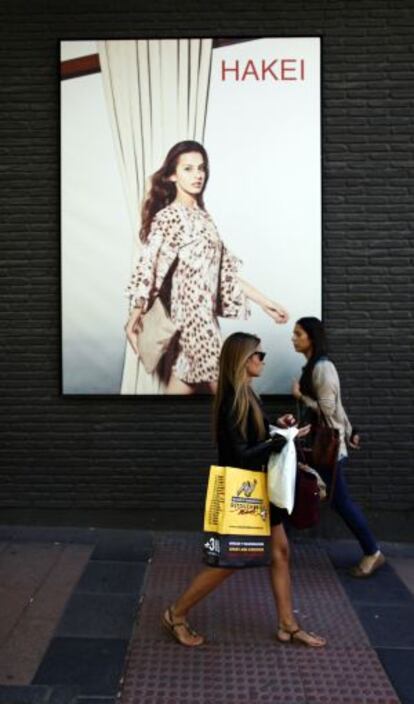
(261,355)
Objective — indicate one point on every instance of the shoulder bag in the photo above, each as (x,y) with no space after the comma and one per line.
(155,334)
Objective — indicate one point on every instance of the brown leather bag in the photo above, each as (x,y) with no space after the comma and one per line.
(324,445)
(306,509)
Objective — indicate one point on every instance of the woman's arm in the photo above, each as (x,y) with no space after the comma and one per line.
(275,310)
(132,326)
(307,400)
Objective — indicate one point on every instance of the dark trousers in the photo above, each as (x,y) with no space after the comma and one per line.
(348,510)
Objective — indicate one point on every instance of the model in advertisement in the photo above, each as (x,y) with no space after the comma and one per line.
(182,248)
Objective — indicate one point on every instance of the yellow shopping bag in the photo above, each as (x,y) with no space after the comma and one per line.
(236,518)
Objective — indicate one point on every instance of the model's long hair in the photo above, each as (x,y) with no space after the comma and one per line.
(233,380)
(315,330)
(163,191)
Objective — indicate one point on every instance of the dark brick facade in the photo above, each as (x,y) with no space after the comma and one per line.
(107,453)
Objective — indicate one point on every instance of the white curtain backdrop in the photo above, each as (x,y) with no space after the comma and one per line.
(156,92)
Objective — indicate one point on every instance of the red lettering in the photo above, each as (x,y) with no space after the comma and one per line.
(290,70)
(225,69)
(268,69)
(250,70)
(286,68)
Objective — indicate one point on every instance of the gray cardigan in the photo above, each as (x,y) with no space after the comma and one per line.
(327,388)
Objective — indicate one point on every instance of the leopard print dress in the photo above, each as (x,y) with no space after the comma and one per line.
(204,284)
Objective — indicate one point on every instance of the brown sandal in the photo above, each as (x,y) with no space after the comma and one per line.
(170,625)
(295,637)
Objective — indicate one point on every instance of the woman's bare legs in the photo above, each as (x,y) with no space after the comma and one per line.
(176,386)
(205,582)
(282,590)
(280,576)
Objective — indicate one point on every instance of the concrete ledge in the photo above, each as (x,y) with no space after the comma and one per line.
(387,525)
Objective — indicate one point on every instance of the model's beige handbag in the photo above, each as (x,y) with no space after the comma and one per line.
(155,335)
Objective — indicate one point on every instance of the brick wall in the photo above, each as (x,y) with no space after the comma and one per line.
(95,453)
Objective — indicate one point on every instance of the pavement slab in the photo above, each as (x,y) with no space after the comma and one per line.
(38,694)
(96,577)
(103,577)
(36,582)
(242,660)
(98,616)
(399,665)
(93,665)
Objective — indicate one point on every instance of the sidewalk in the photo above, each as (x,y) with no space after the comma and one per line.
(80,609)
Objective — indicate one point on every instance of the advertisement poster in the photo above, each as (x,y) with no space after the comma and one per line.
(248,113)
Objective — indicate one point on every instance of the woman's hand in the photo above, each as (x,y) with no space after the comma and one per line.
(305,430)
(286,421)
(132,328)
(276,311)
(296,392)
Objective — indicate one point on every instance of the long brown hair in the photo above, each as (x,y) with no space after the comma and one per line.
(163,191)
(233,379)
(316,332)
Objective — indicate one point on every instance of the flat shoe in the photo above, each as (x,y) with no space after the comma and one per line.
(361,573)
(295,637)
(171,627)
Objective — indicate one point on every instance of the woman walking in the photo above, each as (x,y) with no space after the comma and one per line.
(243,439)
(184,261)
(319,388)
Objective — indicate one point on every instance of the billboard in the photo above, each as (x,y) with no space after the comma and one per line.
(191,175)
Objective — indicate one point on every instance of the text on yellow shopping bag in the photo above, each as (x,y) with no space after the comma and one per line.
(236,502)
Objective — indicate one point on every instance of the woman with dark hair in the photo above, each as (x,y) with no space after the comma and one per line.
(184,261)
(243,439)
(319,389)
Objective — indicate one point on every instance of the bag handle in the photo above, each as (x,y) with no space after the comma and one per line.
(322,415)
(320,412)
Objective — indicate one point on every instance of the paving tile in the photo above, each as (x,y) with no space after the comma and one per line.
(98,616)
(111,544)
(112,577)
(388,626)
(23,569)
(24,695)
(49,534)
(93,665)
(216,674)
(384,587)
(38,694)
(126,546)
(36,623)
(344,676)
(399,665)
(404,568)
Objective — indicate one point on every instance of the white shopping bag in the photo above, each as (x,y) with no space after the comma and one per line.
(281,471)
